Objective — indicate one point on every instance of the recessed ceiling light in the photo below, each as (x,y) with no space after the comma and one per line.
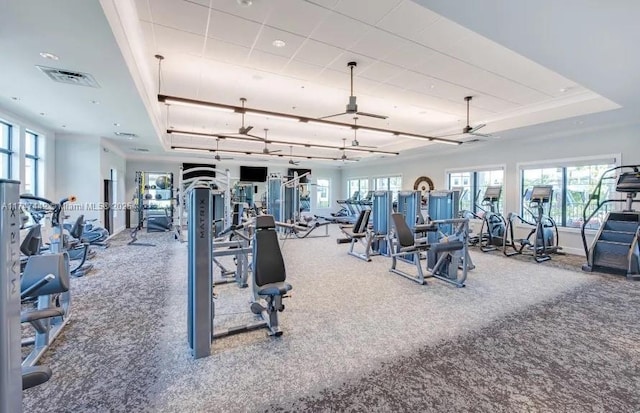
(116,124)
(95,102)
(432,86)
(245,3)
(565,89)
(48,55)
(279,43)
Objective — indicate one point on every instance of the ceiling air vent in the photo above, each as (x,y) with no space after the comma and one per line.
(126,134)
(140,149)
(69,76)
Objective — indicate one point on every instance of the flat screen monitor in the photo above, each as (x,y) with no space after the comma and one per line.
(300,172)
(253,173)
(204,173)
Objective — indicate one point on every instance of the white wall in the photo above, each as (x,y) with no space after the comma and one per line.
(78,173)
(47,174)
(112,158)
(510,153)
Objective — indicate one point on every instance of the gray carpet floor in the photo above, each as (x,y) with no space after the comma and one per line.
(519,337)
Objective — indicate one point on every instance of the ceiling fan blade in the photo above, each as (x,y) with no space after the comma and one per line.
(244,130)
(337,114)
(372,115)
(475,128)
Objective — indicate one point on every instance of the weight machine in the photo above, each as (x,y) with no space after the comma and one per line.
(268,270)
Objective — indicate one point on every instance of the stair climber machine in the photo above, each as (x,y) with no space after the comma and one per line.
(268,277)
(615,248)
(542,239)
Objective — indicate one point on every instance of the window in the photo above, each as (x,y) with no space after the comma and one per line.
(572,186)
(323,189)
(32,164)
(5,150)
(473,184)
(360,184)
(388,183)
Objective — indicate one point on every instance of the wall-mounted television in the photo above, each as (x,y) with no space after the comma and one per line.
(198,174)
(300,172)
(253,173)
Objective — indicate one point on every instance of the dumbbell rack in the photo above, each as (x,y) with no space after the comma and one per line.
(154,203)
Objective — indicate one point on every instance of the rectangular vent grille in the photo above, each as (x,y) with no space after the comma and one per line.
(126,134)
(140,149)
(69,77)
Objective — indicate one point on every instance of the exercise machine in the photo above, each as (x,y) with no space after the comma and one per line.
(449,256)
(268,276)
(15,375)
(615,248)
(358,233)
(542,239)
(202,176)
(492,230)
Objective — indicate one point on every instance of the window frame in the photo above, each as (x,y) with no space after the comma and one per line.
(318,186)
(563,164)
(474,171)
(8,150)
(35,157)
(359,179)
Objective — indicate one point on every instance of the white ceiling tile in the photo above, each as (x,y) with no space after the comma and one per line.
(301,70)
(380,71)
(443,35)
(408,19)
(180,15)
(375,43)
(144,12)
(232,29)
(339,31)
(317,53)
(176,40)
(258,11)
(226,52)
(329,4)
(296,16)
(366,11)
(268,35)
(500,87)
(266,61)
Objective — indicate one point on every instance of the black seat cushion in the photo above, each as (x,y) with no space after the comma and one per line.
(447,246)
(268,265)
(404,234)
(273,289)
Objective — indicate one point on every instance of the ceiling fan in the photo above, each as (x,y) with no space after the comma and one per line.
(344,156)
(291,161)
(355,141)
(469,130)
(352,106)
(218,157)
(266,150)
(242,130)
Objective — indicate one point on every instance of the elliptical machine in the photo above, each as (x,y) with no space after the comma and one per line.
(493,229)
(542,239)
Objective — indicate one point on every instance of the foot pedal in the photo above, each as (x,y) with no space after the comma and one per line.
(256,308)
